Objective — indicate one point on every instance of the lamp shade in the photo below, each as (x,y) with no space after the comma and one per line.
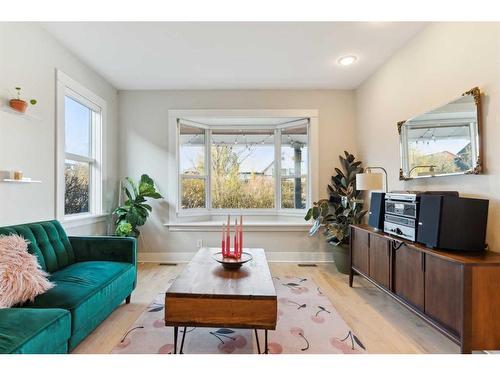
(369,181)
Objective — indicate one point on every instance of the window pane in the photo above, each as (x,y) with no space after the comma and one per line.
(294,151)
(77,120)
(446,148)
(294,166)
(293,193)
(193,193)
(76,196)
(192,150)
(242,168)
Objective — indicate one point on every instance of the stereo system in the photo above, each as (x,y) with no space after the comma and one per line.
(437,219)
(401,210)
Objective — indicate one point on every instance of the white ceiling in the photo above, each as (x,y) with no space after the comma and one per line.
(231,55)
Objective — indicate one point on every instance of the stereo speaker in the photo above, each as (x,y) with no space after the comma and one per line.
(452,223)
(377,211)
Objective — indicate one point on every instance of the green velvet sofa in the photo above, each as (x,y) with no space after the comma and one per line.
(93,275)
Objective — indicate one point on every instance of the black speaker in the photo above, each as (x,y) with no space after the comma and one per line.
(377,211)
(452,223)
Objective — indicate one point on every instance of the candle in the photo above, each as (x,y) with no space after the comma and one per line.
(223,242)
(240,241)
(236,238)
(228,238)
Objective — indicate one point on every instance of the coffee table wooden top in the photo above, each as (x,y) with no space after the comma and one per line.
(204,277)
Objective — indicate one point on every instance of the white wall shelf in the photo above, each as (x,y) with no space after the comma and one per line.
(26,116)
(23,181)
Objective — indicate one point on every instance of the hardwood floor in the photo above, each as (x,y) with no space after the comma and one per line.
(381,323)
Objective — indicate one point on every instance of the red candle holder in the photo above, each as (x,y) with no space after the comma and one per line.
(237,249)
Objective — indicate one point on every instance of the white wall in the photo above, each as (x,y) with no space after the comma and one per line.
(440,63)
(29,57)
(143,117)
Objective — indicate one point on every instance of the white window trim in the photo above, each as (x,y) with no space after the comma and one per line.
(208,214)
(66,86)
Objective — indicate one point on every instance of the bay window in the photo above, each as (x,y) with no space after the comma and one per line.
(251,167)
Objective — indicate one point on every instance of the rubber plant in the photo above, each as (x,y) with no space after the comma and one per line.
(343,208)
(135,211)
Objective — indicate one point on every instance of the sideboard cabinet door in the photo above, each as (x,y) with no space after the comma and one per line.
(380,260)
(443,292)
(360,251)
(409,275)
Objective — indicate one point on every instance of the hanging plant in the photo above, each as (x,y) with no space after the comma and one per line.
(18,104)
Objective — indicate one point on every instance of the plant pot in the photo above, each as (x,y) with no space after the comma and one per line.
(341,258)
(18,105)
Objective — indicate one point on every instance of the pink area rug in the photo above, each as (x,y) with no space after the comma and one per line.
(307,323)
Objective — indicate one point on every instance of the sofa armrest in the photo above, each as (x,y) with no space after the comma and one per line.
(118,249)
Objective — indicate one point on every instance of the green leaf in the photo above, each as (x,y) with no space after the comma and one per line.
(324,208)
(134,217)
(308,215)
(314,229)
(339,172)
(132,185)
(315,212)
(145,179)
(123,229)
(129,194)
(147,207)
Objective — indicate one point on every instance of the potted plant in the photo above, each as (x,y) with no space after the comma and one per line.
(19,104)
(342,209)
(134,212)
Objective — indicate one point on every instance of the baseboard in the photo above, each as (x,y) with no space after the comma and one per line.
(272,256)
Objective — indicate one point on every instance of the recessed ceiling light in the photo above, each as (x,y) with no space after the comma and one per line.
(347,60)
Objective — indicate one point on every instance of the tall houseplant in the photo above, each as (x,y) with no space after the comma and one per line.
(343,208)
(135,211)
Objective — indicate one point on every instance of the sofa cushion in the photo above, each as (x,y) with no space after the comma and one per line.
(48,241)
(21,278)
(90,291)
(34,331)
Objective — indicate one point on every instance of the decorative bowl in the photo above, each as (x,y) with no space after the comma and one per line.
(232,263)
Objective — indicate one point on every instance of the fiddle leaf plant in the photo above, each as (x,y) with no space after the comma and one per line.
(343,207)
(135,211)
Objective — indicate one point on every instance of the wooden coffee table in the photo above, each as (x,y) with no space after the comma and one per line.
(207,295)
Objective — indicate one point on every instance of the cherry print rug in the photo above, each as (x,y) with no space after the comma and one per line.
(307,324)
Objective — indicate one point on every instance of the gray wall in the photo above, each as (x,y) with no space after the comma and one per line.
(29,57)
(440,63)
(143,148)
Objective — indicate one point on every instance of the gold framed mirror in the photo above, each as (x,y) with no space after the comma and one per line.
(445,141)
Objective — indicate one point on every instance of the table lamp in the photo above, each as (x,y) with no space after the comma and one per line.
(371,181)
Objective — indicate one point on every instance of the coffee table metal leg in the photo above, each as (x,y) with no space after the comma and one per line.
(176,331)
(257,339)
(182,341)
(266,347)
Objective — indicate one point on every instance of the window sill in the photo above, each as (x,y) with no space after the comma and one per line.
(249,226)
(81,220)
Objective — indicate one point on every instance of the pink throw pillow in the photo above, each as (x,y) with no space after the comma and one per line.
(21,278)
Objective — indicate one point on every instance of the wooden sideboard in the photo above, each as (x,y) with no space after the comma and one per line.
(457,293)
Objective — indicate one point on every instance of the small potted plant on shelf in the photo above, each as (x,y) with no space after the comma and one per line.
(134,212)
(342,209)
(18,104)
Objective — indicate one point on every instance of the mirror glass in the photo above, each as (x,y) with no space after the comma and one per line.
(444,141)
